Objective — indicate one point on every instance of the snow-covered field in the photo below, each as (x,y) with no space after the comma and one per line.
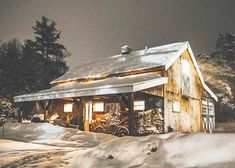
(45,145)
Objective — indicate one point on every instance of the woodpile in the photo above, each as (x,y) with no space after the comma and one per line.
(149,122)
(116,114)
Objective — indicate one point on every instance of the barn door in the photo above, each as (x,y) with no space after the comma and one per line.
(208,115)
(87,115)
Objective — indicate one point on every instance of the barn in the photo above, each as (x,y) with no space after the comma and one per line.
(154,90)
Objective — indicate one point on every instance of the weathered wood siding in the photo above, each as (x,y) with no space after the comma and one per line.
(189,117)
(57,106)
(156,91)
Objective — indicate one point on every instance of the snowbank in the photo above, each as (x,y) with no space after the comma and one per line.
(45,133)
(32,131)
(177,150)
(88,150)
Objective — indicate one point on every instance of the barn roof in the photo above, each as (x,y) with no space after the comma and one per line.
(157,57)
(142,59)
(113,85)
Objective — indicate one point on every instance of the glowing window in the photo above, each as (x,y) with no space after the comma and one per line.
(87,111)
(176,106)
(139,105)
(185,67)
(185,78)
(98,107)
(90,114)
(68,107)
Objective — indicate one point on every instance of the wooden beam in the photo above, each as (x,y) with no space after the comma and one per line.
(131,122)
(80,114)
(19,113)
(47,105)
(44,106)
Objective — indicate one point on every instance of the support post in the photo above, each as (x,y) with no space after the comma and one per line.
(19,113)
(80,106)
(47,105)
(44,106)
(131,121)
(81,114)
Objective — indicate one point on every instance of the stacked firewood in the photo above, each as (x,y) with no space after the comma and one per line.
(113,118)
(124,117)
(149,122)
(116,114)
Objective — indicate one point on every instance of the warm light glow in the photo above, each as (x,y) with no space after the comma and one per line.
(139,105)
(68,107)
(176,106)
(185,67)
(87,109)
(90,114)
(98,107)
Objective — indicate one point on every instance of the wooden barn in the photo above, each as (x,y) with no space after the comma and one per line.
(154,90)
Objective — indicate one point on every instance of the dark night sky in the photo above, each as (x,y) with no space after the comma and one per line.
(93,29)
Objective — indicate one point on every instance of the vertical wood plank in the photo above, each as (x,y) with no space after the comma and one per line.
(81,114)
(131,121)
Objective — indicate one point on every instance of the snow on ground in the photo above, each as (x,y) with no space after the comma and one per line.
(45,145)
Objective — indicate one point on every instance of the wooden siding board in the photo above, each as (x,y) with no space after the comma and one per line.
(157,91)
(189,117)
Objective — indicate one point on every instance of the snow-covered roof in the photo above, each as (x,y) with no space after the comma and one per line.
(157,57)
(113,85)
(142,59)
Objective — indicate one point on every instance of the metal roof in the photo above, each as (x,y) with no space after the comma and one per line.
(161,56)
(150,58)
(113,85)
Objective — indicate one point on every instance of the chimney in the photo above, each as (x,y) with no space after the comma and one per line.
(126,49)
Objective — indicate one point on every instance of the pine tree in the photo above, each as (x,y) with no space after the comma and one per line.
(49,53)
(10,68)
(219,73)
(225,47)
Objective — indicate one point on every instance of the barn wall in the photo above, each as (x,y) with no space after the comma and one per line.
(157,91)
(188,119)
(57,106)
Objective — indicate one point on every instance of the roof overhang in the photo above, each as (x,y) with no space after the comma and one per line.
(103,87)
(114,85)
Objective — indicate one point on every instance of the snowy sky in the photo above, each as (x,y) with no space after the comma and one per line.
(94,29)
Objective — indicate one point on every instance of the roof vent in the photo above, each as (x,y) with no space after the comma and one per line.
(126,49)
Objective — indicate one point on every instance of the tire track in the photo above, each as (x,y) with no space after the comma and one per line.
(30,158)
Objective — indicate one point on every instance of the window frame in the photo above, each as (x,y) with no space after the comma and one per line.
(70,108)
(175,106)
(186,78)
(139,105)
(97,102)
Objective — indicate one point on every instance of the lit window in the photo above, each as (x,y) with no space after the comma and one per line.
(68,107)
(185,78)
(98,107)
(90,114)
(176,106)
(185,67)
(139,105)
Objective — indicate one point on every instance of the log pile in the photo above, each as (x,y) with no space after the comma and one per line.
(114,116)
(149,122)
